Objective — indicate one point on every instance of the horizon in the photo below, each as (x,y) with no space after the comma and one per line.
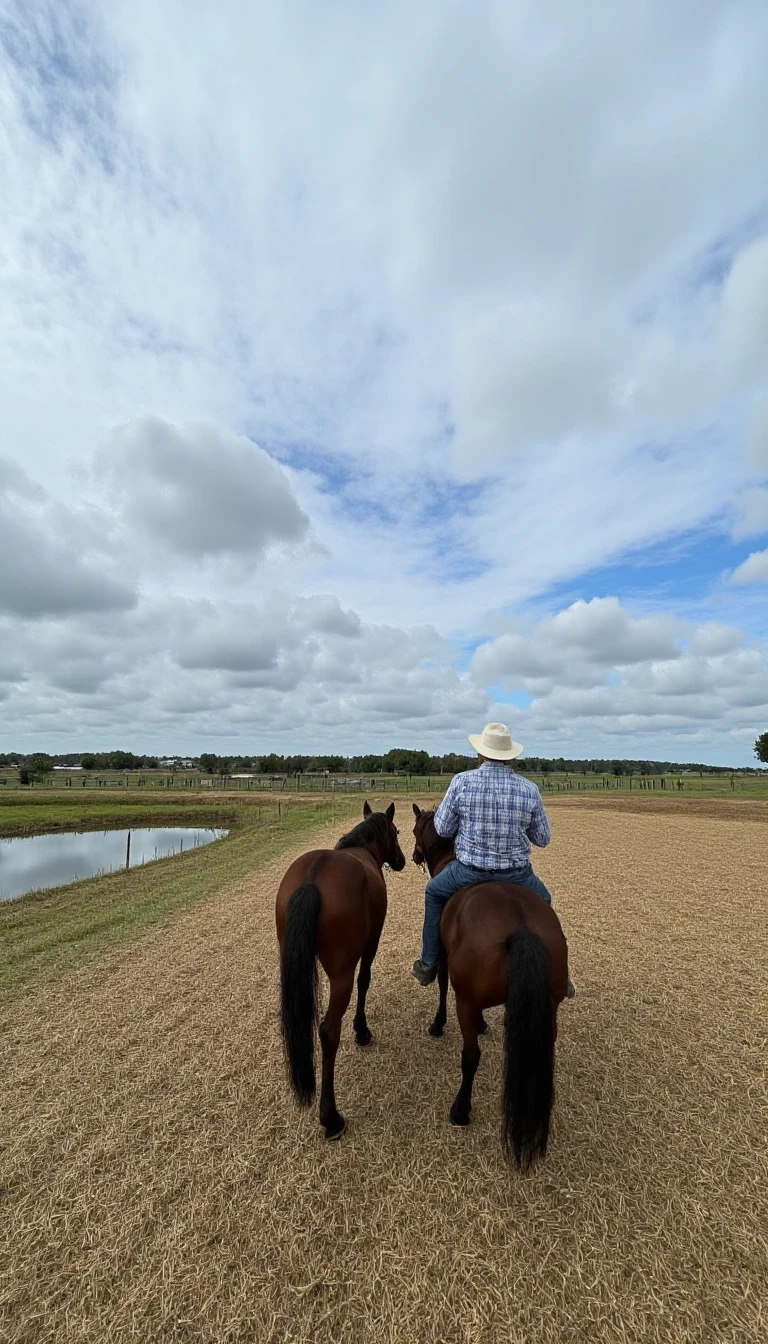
(385,376)
(353,755)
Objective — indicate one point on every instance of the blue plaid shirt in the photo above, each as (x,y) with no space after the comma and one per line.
(494,814)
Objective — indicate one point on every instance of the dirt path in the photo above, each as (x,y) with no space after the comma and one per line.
(158,1185)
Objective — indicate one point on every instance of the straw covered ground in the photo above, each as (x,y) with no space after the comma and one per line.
(158,1185)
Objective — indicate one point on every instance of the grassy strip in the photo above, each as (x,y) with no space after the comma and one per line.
(18,818)
(47,933)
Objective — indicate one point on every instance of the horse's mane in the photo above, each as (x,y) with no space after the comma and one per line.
(371,828)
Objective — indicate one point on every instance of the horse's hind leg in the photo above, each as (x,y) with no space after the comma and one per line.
(363,1034)
(469,1021)
(330,1032)
(441,1016)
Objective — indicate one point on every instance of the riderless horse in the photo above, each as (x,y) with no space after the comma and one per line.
(331,907)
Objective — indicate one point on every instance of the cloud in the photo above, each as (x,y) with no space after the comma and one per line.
(49,561)
(744,317)
(199,490)
(594,672)
(713,638)
(752,514)
(757,435)
(753,570)
(407,342)
(600,632)
(606,633)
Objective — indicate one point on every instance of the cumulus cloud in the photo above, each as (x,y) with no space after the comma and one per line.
(199,490)
(753,570)
(606,633)
(594,671)
(49,560)
(599,632)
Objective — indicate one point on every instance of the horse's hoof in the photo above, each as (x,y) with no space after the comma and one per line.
(336,1130)
(459,1119)
(435,1029)
(364,1037)
(482,1029)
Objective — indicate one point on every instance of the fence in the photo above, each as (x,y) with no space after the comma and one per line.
(551,783)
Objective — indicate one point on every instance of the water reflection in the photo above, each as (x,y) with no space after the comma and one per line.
(32,863)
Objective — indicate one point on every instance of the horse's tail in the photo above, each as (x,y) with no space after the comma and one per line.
(529,1049)
(299,989)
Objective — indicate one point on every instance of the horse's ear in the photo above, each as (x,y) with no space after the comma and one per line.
(390,811)
(367,809)
(416,810)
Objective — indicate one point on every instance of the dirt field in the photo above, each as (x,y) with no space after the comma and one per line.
(157,1184)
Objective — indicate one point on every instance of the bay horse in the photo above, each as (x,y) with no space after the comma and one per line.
(501,943)
(331,906)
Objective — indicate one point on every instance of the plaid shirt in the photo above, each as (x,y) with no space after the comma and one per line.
(494,814)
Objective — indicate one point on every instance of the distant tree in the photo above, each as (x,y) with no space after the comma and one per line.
(209,762)
(39,766)
(761,748)
(618,768)
(368,764)
(124,760)
(406,761)
(88,762)
(272,764)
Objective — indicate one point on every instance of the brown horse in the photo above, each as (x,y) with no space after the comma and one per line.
(331,905)
(501,944)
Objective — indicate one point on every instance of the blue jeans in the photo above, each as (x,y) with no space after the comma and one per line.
(454,876)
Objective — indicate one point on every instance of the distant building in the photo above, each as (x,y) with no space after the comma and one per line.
(67,767)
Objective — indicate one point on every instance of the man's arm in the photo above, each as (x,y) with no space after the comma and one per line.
(539,831)
(447,814)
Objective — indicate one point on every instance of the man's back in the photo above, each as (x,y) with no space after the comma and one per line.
(494,814)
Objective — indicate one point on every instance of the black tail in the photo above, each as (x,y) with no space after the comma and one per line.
(529,1050)
(299,989)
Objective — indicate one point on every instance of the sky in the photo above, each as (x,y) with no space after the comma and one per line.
(368,373)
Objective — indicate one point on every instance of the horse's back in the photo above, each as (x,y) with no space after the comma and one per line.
(475,928)
(351,902)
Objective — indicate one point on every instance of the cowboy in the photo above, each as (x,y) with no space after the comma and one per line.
(495,815)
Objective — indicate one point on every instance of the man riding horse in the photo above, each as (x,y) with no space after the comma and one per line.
(494,815)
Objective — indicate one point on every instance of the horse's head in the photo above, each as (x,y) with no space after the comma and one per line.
(392,854)
(424,834)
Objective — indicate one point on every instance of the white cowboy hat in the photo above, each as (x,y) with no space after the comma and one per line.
(495,743)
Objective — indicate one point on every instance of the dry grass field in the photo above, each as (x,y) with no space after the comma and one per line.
(157,1183)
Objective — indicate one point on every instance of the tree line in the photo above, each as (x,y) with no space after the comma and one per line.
(399,760)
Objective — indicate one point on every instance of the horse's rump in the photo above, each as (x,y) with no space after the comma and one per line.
(345,918)
(475,929)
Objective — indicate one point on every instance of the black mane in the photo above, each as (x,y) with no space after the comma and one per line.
(366,831)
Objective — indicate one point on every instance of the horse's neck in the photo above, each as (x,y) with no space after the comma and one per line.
(363,852)
(445,854)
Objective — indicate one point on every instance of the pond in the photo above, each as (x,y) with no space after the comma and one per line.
(36,862)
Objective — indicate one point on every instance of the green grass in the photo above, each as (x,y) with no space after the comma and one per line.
(186,786)
(23,813)
(47,933)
